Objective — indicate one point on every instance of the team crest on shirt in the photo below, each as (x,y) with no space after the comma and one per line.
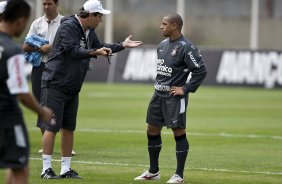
(53,121)
(174,51)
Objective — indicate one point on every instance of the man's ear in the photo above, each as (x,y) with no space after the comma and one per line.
(174,26)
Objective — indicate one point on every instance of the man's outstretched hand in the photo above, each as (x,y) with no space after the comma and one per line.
(128,43)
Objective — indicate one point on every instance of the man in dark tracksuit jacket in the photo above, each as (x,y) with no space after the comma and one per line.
(75,43)
(177,58)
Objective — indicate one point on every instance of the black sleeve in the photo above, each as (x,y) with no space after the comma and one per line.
(196,66)
(198,76)
(96,44)
(116,47)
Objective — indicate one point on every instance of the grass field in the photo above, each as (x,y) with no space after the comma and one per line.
(235,137)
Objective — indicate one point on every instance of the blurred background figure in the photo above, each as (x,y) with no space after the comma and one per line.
(14,144)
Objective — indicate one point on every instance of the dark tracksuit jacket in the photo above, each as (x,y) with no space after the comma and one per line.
(68,61)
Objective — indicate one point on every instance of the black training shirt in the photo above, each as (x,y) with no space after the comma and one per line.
(176,60)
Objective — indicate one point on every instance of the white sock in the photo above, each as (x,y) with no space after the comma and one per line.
(65,165)
(46,160)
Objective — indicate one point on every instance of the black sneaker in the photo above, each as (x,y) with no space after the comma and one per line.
(70,174)
(49,174)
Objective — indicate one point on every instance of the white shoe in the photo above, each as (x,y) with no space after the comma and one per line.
(73,153)
(175,179)
(149,176)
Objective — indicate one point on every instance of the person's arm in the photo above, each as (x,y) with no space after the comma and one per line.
(32,31)
(29,48)
(18,85)
(30,102)
(198,76)
(101,52)
(44,49)
(95,45)
(127,43)
(115,47)
(197,66)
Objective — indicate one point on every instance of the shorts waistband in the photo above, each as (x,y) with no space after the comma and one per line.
(162,88)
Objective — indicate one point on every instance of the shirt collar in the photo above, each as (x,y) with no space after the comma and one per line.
(78,20)
(57,18)
(87,31)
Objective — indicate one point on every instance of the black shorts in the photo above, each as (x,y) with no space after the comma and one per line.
(36,75)
(167,111)
(14,147)
(64,106)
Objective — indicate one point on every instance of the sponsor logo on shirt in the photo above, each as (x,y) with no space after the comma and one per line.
(163,69)
(193,60)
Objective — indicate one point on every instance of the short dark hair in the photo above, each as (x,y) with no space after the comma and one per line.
(84,14)
(175,18)
(96,14)
(16,9)
(55,1)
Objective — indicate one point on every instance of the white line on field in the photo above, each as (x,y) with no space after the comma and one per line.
(222,134)
(146,166)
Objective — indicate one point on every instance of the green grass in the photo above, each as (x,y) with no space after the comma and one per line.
(235,137)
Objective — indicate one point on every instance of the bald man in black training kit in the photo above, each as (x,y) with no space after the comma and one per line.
(177,58)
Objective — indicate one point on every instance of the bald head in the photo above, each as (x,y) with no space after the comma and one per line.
(175,18)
